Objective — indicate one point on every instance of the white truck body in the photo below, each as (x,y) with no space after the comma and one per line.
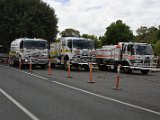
(79,52)
(129,55)
(26,50)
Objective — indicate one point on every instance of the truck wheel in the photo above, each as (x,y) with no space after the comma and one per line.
(15,63)
(86,68)
(11,62)
(43,66)
(102,67)
(66,60)
(127,70)
(53,65)
(66,65)
(144,72)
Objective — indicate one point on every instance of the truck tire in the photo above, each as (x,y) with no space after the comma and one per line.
(102,67)
(43,66)
(10,62)
(144,72)
(65,66)
(66,60)
(53,65)
(86,68)
(15,63)
(127,70)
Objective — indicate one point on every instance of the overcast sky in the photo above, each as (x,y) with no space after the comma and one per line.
(93,16)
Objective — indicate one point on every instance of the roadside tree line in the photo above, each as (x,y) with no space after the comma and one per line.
(35,18)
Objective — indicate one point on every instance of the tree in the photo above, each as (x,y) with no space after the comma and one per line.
(158,35)
(69,32)
(117,32)
(148,35)
(156,47)
(26,18)
(97,42)
(142,30)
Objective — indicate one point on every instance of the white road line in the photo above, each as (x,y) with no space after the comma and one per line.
(100,96)
(26,72)
(94,94)
(33,117)
(108,98)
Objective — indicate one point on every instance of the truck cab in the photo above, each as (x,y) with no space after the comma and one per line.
(130,55)
(138,56)
(77,51)
(26,50)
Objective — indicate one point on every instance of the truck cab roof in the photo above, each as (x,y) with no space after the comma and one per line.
(74,38)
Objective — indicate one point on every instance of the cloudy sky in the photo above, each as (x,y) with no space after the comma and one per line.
(93,16)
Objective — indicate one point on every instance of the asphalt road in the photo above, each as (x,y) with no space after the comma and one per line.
(36,95)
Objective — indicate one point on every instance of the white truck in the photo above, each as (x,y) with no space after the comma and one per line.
(78,52)
(26,50)
(130,55)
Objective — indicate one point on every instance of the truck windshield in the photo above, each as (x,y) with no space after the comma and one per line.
(35,44)
(144,50)
(81,44)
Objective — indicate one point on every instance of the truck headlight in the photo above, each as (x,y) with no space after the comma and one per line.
(26,60)
(75,59)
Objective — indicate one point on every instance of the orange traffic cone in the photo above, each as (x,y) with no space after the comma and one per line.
(91,75)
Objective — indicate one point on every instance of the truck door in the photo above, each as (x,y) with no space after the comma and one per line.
(124,50)
(130,50)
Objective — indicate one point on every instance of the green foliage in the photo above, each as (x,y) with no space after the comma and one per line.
(26,18)
(103,40)
(156,47)
(148,35)
(97,42)
(117,32)
(70,33)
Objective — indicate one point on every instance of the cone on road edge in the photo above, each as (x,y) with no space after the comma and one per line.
(49,68)
(117,79)
(30,66)
(91,74)
(69,70)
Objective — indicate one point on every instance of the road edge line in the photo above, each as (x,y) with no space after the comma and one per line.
(93,94)
(27,112)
